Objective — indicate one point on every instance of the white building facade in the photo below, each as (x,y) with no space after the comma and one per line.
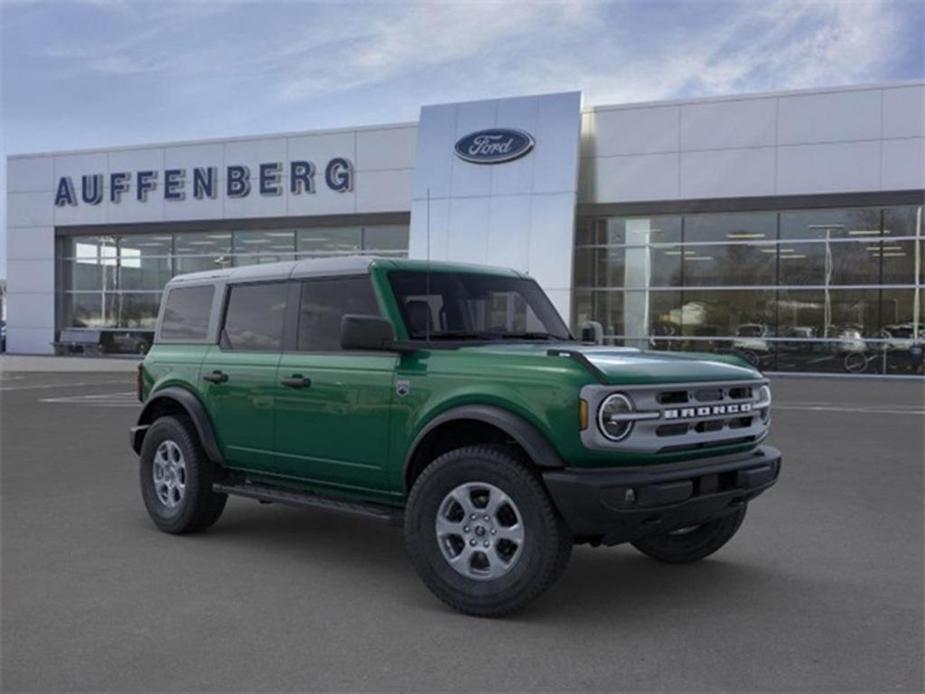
(786,227)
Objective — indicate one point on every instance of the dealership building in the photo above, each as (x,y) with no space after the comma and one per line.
(784,226)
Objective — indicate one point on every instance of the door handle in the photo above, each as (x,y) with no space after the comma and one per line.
(296,381)
(216,377)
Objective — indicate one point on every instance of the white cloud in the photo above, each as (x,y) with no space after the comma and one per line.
(410,38)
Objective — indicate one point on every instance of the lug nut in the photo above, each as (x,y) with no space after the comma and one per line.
(473,542)
(473,517)
(494,532)
(485,544)
(465,528)
(486,516)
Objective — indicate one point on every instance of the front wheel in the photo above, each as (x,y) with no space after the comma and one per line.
(482,533)
(691,544)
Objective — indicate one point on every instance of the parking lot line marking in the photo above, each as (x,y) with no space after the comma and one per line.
(46,386)
(858,410)
(120,399)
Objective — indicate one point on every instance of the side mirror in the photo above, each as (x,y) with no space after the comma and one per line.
(366,333)
(592,331)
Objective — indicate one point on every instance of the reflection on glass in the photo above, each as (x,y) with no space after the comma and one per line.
(737,226)
(146,244)
(186,264)
(135,310)
(203,243)
(328,241)
(390,239)
(144,272)
(840,314)
(737,313)
(253,242)
(609,231)
(115,281)
(733,265)
(859,223)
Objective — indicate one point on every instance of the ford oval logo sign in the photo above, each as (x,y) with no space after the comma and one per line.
(494,146)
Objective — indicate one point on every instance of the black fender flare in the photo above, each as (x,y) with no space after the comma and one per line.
(193,407)
(527,436)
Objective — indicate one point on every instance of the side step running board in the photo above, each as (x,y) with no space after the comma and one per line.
(267,493)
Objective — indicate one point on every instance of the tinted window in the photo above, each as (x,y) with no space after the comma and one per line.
(450,305)
(324,303)
(186,313)
(254,319)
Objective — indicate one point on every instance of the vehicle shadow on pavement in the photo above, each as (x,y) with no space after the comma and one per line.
(598,584)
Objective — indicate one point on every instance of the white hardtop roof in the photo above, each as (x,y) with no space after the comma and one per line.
(307,267)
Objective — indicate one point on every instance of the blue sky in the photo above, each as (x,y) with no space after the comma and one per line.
(79,74)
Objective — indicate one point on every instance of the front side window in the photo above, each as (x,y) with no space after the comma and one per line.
(462,306)
(186,313)
(324,304)
(254,317)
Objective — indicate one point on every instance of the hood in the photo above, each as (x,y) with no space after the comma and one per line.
(629,366)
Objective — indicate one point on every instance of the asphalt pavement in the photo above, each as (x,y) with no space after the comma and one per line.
(821,590)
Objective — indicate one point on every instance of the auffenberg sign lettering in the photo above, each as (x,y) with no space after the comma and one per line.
(203,182)
(494,146)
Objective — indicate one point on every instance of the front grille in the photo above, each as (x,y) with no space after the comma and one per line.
(684,417)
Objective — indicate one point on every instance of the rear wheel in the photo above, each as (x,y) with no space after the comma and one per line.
(482,533)
(692,544)
(176,478)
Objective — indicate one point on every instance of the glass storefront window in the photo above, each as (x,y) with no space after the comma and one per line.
(184,264)
(86,275)
(136,309)
(835,314)
(831,262)
(387,239)
(838,290)
(740,226)
(902,221)
(733,265)
(144,272)
(280,243)
(610,231)
(830,224)
(84,310)
(114,282)
(146,245)
(203,243)
(330,241)
(728,313)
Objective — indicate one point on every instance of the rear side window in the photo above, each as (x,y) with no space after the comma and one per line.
(186,313)
(324,303)
(254,317)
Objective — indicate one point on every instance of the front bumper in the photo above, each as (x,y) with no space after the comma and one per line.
(616,505)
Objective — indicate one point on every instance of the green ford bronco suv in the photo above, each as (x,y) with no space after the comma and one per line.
(449,398)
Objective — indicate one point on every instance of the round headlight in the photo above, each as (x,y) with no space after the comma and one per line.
(608,417)
(764,402)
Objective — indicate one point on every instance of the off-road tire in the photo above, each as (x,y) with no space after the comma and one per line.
(547,543)
(200,507)
(688,547)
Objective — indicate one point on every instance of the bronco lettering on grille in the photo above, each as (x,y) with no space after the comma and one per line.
(712,410)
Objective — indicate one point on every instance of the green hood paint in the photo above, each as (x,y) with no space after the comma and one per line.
(629,366)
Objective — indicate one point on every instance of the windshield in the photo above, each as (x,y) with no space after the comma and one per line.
(471,306)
